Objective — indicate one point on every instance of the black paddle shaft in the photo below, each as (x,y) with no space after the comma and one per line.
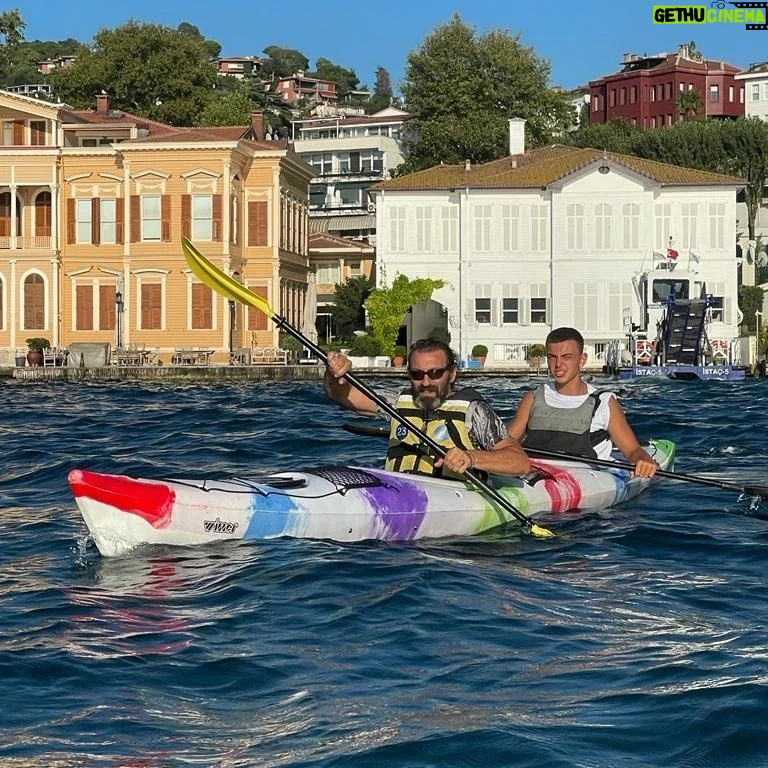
(749,490)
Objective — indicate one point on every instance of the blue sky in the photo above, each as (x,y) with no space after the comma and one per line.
(581,40)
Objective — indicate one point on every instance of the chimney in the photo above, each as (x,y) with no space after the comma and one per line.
(102,103)
(516,135)
(257,125)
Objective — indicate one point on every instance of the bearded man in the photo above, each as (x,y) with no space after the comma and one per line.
(460,420)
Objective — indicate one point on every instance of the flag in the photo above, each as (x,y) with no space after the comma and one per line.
(672,254)
(695,256)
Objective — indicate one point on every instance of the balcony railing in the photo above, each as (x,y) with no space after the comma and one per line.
(375,173)
(36,242)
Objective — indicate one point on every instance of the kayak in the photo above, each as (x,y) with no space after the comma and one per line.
(338,503)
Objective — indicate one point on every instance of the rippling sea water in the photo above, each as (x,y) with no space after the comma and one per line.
(637,636)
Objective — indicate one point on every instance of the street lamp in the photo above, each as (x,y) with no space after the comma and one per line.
(119,318)
(232,321)
(231,332)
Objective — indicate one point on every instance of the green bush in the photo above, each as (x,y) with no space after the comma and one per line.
(38,343)
(365,346)
(441,334)
(400,351)
(479,350)
(288,342)
(536,350)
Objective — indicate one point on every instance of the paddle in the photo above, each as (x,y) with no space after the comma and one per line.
(369,430)
(747,490)
(228,287)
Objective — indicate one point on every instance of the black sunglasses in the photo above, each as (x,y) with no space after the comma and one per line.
(434,373)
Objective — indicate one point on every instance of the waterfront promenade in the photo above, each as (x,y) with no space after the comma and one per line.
(176,373)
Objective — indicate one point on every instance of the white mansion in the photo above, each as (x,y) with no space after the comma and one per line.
(554,237)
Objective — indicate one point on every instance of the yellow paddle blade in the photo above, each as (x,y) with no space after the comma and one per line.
(542,533)
(221,282)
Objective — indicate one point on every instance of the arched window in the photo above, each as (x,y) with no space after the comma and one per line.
(5,216)
(43,215)
(34,303)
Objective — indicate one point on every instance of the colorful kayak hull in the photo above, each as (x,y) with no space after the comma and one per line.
(338,503)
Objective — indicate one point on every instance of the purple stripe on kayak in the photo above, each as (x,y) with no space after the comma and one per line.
(401,505)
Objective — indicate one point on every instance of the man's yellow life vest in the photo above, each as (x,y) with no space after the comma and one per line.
(447,425)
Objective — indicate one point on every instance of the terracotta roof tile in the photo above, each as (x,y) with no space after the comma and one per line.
(545,166)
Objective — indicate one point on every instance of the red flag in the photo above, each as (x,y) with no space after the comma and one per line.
(672,254)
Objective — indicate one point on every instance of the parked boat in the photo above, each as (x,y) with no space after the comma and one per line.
(340,503)
(672,337)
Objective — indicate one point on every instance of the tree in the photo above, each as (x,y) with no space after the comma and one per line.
(12,28)
(689,104)
(750,301)
(387,307)
(616,135)
(463,88)
(213,47)
(735,147)
(147,69)
(348,311)
(231,106)
(284,61)
(382,91)
(345,79)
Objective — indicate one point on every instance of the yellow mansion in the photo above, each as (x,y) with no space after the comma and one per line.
(93,206)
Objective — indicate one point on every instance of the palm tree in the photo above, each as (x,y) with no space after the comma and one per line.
(690,104)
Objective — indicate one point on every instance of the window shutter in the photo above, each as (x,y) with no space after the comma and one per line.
(525,311)
(34,303)
(202,306)
(165,213)
(151,306)
(43,215)
(216,223)
(95,221)
(107,308)
(257,222)
(257,320)
(186,215)
(71,221)
(135,218)
(471,313)
(232,233)
(84,308)
(120,217)
(18,133)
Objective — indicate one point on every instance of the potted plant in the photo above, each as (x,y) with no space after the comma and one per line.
(399,354)
(535,353)
(479,353)
(36,345)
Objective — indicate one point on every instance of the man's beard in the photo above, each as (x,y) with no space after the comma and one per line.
(430,403)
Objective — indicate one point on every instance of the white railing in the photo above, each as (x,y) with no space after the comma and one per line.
(510,353)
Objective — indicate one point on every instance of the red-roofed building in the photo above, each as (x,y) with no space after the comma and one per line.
(646,89)
(299,86)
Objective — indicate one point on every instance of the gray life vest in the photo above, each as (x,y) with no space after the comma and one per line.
(565,430)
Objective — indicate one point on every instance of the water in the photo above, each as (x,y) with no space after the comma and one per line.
(635,637)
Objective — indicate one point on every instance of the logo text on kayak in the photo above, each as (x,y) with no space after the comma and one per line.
(219,526)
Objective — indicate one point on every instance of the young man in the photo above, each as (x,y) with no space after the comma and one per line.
(460,420)
(568,415)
